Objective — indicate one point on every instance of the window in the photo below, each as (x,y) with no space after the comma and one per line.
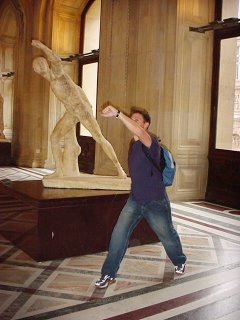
(89,65)
(228,100)
(224,156)
(88,78)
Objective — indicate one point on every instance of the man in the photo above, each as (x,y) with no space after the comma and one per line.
(78,109)
(148,199)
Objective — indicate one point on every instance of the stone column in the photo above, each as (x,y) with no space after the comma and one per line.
(2,136)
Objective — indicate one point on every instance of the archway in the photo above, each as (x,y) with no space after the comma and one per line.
(8,39)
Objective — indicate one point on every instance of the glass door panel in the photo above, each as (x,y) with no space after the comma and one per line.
(228,114)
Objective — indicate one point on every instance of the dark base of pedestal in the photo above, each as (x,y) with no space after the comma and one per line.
(60,223)
(5,153)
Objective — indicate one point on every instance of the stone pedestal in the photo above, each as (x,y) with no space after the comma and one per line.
(60,223)
(88,181)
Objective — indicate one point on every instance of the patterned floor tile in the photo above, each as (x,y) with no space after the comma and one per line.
(36,305)
(142,267)
(4,248)
(71,283)
(20,257)
(17,275)
(6,299)
(86,262)
(64,289)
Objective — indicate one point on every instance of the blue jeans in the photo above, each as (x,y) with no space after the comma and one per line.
(158,215)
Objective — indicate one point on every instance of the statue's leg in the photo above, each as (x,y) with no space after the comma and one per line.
(92,126)
(70,154)
(64,126)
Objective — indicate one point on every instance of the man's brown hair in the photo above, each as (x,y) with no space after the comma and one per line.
(141,111)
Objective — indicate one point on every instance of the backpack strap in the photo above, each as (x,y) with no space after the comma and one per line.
(162,160)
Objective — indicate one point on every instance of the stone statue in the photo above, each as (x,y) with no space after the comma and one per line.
(78,109)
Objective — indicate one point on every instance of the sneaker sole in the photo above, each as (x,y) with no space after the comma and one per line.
(106,285)
(179,273)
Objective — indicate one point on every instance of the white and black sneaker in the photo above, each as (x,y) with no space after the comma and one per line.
(180,268)
(104,282)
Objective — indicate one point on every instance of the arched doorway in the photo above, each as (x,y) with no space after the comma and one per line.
(8,39)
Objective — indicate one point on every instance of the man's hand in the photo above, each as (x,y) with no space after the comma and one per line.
(109,111)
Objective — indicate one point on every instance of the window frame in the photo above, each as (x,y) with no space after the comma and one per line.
(87,59)
(86,159)
(219,35)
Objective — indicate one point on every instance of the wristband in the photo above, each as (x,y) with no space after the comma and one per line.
(117,114)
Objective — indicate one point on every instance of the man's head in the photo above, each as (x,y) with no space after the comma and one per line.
(40,66)
(141,116)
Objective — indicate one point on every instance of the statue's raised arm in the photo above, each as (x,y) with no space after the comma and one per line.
(51,56)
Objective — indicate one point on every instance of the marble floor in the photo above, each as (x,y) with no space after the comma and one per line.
(146,287)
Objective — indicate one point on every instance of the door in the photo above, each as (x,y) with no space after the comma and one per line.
(223,184)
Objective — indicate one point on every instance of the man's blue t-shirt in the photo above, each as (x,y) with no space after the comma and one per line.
(147,182)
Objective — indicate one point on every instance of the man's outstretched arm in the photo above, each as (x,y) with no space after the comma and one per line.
(132,126)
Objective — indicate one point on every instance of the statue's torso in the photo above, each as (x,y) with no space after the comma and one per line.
(71,95)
